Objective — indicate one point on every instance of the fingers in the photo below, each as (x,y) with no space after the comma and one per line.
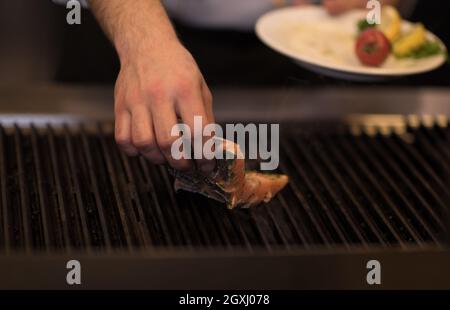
(123,133)
(146,128)
(197,102)
(208,102)
(164,118)
(145,118)
(143,136)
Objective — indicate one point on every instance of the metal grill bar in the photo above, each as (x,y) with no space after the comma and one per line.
(329,216)
(357,181)
(234,220)
(218,221)
(175,207)
(43,199)
(429,150)
(398,170)
(412,154)
(75,185)
(212,225)
(6,239)
(257,226)
(71,188)
(404,179)
(24,227)
(200,224)
(379,167)
(403,224)
(374,230)
(323,236)
(298,232)
(61,217)
(115,191)
(329,188)
(93,185)
(134,203)
(433,135)
(164,200)
(163,230)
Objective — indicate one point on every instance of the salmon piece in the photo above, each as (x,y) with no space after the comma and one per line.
(230,183)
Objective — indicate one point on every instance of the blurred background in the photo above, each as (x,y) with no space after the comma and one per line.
(52,72)
(37,45)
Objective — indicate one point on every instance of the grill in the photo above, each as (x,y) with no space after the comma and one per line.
(68,188)
(359,190)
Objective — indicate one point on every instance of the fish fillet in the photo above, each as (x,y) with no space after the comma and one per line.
(230,183)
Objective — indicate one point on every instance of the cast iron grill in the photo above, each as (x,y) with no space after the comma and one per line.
(66,188)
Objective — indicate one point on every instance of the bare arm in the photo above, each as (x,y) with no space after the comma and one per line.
(159,81)
(132,25)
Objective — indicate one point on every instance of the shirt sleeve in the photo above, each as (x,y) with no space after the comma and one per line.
(230,14)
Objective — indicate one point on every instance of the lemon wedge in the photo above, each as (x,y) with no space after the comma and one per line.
(410,42)
(391,23)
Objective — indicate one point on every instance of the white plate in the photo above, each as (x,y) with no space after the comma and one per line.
(325,44)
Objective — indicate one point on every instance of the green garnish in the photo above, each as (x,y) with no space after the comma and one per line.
(363,25)
(428,49)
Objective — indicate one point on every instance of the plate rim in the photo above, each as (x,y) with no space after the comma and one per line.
(371,71)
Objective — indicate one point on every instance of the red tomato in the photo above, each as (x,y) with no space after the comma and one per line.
(372,47)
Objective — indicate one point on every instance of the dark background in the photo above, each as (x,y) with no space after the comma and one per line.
(226,58)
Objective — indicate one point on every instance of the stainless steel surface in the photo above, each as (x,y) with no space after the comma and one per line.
(419,264)
(235,104)
(313,269)
(66,188)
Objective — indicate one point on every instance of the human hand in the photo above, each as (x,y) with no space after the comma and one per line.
(157,86)
(159,82)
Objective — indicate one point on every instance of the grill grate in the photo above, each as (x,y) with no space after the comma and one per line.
(70,188)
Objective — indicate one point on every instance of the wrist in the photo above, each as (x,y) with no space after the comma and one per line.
(136,46)
(136,29)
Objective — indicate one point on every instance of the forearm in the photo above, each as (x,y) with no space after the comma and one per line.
(135,27)
(158,83)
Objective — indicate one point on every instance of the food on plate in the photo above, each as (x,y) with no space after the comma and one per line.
(363,24)
(428,49)
(411,41)
(372,47)
(230,183)
(391,23)
(403,43)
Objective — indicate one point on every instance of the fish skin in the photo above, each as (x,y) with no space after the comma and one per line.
(230,183)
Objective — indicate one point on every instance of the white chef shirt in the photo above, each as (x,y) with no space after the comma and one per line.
(229,14)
